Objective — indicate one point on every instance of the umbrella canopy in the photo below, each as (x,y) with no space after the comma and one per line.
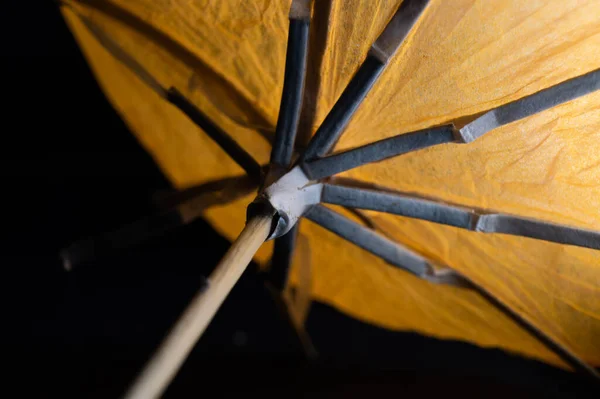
(460,60)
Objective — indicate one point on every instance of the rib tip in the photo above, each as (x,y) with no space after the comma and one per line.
(463,135)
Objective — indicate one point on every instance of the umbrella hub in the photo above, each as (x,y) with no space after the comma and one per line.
(290,196)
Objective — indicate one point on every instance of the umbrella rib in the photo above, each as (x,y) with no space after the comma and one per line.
(287,126)
(462,217)
(397,204)
(293,84)
(223,140)
(336,163)
(183,207)
(395,255)
(318,168)
(352,231)
(359,86)
(336,120)
(532,104)
(369,240)
(233,149)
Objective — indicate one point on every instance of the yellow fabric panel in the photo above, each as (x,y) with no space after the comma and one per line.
(240,41)
(366,287)
(186,155)
(464,58)
(172,64)
(469,56)
(546,166)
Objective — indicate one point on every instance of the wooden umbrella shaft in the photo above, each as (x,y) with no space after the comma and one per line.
(173,351)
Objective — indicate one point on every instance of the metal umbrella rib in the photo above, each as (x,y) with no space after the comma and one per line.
(403,258)
(223,140)
(462,217)
(318,168)
(287,125)
(527,106)
(336,163)
(293,85)
(369,240)
(175,97)
(357,89)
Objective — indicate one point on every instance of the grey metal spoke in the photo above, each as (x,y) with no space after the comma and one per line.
(466,218)
(397,204)
(318,168)
(519,226)
(380,53)
(527,106)
(369,240)
(335,122)
(293,84)
(230,146)
(336,163)
(394,253)
(223,140)
(287,126)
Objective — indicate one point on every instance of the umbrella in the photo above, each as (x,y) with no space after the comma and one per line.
(454,144)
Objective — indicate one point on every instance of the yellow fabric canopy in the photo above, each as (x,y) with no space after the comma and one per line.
(463,58)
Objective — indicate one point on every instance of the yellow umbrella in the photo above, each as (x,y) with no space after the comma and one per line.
(459,118)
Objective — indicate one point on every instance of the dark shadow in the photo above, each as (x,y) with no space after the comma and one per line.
(369,359)
(222,191)
(181,208)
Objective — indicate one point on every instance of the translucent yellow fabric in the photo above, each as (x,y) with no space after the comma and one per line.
(464,57)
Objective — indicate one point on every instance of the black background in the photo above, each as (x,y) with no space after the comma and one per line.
(70,169)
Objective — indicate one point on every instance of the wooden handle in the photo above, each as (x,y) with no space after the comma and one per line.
(169,357)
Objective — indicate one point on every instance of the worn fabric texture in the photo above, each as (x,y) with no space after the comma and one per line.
(463,58)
